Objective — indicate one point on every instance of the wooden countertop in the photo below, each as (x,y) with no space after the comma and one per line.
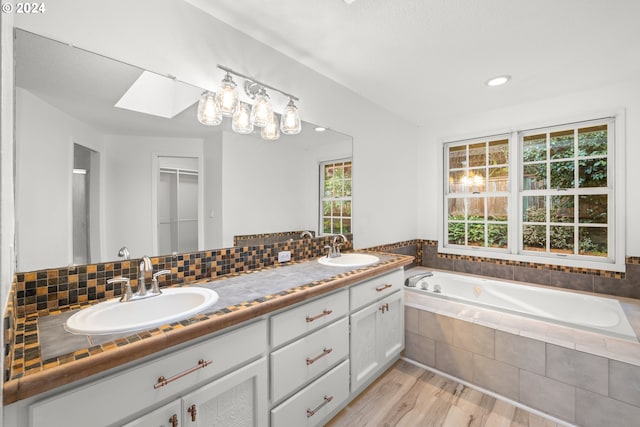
(51,376)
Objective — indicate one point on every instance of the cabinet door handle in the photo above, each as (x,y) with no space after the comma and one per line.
(323,354)
(173,420)
(324,313)
(382,288)
(162,381)
(384,307)
(311,412)
(192,411)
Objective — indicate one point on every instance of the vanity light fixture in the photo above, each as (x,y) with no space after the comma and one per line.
(226,102)
(271,131)
(262,109)
(227,96)
(499,80)
(208,110)
(241,122)
(290,121)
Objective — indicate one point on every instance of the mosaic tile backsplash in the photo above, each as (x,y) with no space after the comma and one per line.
(40,292)
(44,290)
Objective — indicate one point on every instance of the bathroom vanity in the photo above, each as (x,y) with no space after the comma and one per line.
(296,358)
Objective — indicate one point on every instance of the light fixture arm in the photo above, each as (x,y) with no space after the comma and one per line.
(229,70)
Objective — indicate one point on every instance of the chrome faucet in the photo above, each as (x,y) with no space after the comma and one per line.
(306,233)
(145,265)
(334,249)
(124,252)
(155,287)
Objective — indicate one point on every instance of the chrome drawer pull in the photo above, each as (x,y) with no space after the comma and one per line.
(324,313)
(382,288)
(323,354)
(311,412)
(162,381)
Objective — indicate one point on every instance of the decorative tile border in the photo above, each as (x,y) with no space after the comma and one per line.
(45,290)
(269,238)
(26,349)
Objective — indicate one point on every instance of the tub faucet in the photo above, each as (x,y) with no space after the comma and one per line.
(145,265)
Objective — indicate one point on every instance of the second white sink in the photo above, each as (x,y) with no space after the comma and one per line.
(350,260)
(113,316)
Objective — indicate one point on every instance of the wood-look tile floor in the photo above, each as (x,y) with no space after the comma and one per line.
(407,395)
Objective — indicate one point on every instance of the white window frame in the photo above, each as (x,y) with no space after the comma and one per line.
(615,178)
(321,167)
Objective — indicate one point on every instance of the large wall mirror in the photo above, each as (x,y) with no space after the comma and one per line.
(92,177)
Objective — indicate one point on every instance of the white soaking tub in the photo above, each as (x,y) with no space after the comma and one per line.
(588,312)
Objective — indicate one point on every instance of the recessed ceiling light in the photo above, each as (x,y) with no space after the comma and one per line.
(497,81)
(320,129)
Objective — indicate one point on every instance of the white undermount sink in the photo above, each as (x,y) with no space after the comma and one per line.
(113,316)
(350,260)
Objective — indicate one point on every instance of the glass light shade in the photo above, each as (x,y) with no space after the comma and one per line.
(227,96)
(271,131)
(208,111)
(241,122)
(262,110)
(290,122)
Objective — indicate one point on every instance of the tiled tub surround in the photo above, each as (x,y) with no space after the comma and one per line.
(583,279)
(581,377)
(46,357)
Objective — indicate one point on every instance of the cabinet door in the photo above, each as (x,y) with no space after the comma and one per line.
(365,345)
(391,321)
(377,336)
(238,399)
(165,416)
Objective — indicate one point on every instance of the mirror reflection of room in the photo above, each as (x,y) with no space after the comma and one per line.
(91,122)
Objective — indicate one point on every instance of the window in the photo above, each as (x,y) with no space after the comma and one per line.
(565,191)
(477,195)
(335,197)
(535,193)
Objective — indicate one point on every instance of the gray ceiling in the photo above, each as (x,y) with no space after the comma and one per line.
(427,59)
(87,86)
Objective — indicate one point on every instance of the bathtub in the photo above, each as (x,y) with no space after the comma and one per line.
(587,312)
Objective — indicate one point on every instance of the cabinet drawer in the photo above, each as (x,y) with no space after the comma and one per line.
(305,359)
(308,317)
(311,405)
(133,389)
(376,288)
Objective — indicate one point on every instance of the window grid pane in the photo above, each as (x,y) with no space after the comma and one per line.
(477,194)
(576,204)
(335,202)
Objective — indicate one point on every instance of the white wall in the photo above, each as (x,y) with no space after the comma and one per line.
(594,103)
(44,158)
(255,174)
(7,257)
(212,180)
(129,188)
(172,37)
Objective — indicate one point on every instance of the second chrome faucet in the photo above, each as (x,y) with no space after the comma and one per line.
(142,291)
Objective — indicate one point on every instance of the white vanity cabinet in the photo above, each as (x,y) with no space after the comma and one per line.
(377,329)
(121,395)
(296,367)
(314,362)
(238,399)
